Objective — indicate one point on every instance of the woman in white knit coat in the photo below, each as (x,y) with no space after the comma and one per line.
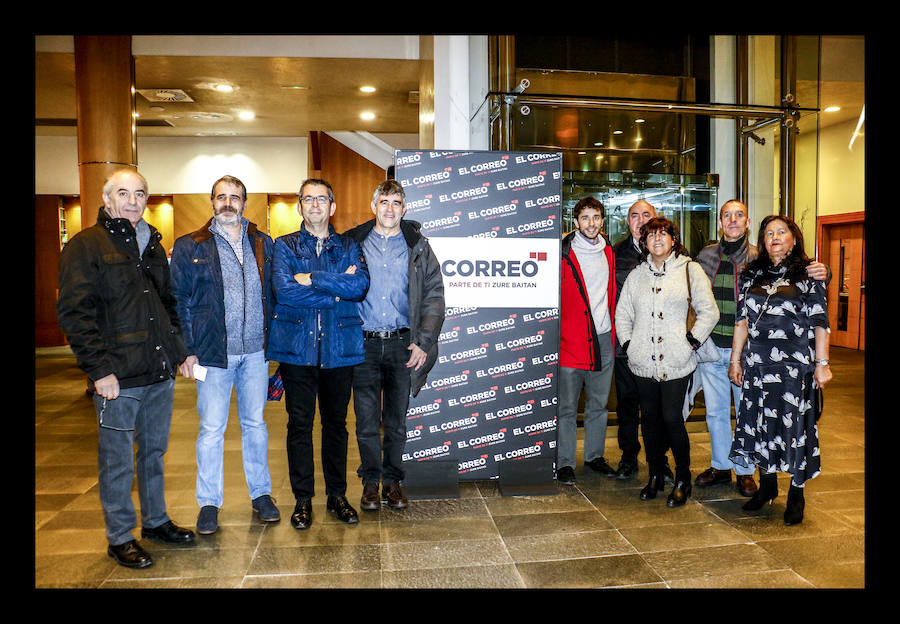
(650,323)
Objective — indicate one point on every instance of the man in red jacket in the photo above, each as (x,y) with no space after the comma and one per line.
(587,340)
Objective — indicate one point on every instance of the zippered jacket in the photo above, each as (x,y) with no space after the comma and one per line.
(425,295)
(317,325)
(116,306)
(198,288)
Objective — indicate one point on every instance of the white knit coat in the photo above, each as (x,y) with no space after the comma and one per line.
(651,314)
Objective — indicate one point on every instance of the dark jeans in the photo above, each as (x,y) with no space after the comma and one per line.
(381,387)
(302,386)
(141,416)
(662,422)
(627,410)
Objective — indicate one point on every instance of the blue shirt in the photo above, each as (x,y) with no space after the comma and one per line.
(386,306)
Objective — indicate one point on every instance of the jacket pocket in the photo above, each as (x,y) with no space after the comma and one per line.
(287,333)
(350,336)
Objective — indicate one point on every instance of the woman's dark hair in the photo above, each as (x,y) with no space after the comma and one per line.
(795,262)
(661,223)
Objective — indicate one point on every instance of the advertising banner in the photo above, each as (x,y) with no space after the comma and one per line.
(493,221)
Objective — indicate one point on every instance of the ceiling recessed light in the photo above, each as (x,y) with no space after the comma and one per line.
(582,153)
(639,120)
(598,144)
(638,139)
(295,87)
(247,115)
(367,115)
(224,88)
(617,132)
(157,108)
(367,89)
(832,109)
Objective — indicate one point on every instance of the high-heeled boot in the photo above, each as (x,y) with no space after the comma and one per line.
(656,484)
(767,492)
(793,513)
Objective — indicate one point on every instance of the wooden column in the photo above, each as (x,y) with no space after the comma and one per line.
(104,90)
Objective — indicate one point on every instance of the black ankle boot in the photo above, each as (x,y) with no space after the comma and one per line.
(680,493)
(767,492)
(656,484)
(793,513)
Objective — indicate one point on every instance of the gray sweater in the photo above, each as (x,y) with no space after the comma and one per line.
(651,314)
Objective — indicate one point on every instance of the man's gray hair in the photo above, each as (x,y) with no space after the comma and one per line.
(108,184)
(389,187)
(230,180)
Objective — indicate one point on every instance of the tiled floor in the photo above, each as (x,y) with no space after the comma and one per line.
(595,534)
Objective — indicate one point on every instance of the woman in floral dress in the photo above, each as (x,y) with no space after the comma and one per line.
(783,319)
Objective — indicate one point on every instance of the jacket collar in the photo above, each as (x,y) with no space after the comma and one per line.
(203,233)
(411,231)
(120,226)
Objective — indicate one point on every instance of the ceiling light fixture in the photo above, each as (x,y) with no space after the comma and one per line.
(224,88)
(598,144)
(368,116)
(617,132)
(832,109)
(247,115)
(639,120)
(367,89)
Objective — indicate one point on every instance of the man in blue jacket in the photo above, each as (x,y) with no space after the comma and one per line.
(222,282)
(318,276)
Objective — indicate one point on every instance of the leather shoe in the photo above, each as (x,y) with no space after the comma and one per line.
(668,477)
(302,516)
(566,475)
(130,554)
(680,494)
(339,506)
(746,486)
(169,533)
(370,500)
(713,476)
(626,469)
(392,494)
(600,465)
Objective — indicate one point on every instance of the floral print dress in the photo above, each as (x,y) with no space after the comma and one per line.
(776,423)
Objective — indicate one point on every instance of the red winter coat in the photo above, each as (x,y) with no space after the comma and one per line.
(578,336)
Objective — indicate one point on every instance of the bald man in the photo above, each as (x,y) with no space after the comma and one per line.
(117,311)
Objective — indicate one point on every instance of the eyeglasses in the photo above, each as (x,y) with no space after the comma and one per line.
(308,200)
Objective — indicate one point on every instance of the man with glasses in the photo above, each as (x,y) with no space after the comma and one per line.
(402,316)
(222,281)
(318,276)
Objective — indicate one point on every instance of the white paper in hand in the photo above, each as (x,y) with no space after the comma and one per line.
(199,372)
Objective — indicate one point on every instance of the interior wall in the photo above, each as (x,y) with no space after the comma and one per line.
(842,170)
(353,179)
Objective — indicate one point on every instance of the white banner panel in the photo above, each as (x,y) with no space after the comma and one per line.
(499,272)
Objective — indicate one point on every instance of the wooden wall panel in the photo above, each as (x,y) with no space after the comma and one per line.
(283,215)
(353,178)
(193,210)
(46,271)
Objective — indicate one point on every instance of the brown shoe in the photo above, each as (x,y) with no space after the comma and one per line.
(370,500)
(392,494)
(746,486)
(713,476)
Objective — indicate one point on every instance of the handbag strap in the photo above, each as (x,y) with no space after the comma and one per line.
(688,274)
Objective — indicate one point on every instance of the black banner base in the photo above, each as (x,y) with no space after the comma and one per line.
(431,479)
(527,477)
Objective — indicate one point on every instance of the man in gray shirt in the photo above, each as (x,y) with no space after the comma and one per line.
(222,282)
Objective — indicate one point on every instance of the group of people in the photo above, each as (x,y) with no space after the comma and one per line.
(358,312)
(751,321)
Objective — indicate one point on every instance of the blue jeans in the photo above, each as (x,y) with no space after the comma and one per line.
(596,385)
(248,375)
(718,392)
(141,415)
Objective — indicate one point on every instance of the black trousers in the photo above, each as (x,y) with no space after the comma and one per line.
(662,423)
(332,387)
(627,410)
(381,387)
